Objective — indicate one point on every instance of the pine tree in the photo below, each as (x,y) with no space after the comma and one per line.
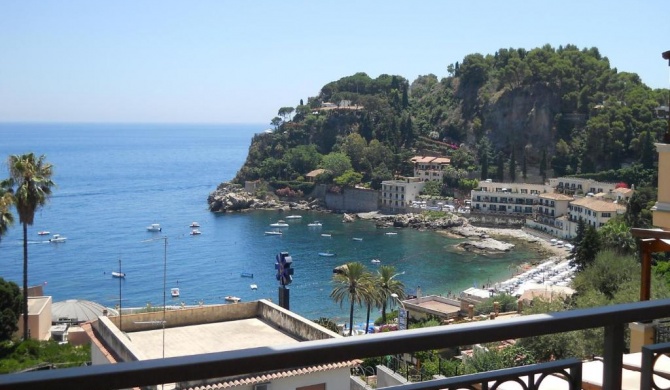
(501,168)
(523,166)
(587,250)
(543,165)
(512,167)
(485,166)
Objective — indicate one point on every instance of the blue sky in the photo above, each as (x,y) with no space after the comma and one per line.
(240,61)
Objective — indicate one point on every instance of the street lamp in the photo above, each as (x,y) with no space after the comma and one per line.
(403,314)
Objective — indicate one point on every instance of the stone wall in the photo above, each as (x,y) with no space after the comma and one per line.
(353,200)
(496,220)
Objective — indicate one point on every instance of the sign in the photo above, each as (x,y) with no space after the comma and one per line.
(402,319)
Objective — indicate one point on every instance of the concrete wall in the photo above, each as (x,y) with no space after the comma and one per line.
(387,377)
(353,200)
(498,220)
(661,210)
(305,330)
(115,340)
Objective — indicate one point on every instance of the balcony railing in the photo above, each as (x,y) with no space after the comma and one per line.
(256,360)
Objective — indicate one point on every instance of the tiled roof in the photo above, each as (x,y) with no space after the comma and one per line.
(556,196)
(270,376)
(597,204)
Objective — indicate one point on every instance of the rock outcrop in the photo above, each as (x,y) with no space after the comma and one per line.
(230,197)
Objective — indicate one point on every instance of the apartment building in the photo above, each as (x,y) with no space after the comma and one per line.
(551,216)
(594,211)
(397,195)
(572,186)
(507,198)
(661,210)
(430,168)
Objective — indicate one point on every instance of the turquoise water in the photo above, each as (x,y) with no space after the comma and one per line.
(115,180)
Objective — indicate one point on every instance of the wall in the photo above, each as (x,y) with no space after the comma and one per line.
(481,219)
(293,324)
(353,200)
(386,377)
(661,210)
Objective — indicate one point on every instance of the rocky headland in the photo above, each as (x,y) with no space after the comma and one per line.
(229,197)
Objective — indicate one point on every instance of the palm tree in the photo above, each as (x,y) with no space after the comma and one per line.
(371,298)
(6,201)
(388,285)
(32,178)
(351,283)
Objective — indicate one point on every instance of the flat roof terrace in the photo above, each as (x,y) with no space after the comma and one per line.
(206,338)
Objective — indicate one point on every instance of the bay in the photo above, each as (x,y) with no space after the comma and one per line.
(113,180)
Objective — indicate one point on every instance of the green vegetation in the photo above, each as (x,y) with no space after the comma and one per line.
(30,183)
(33,354)
(10,309)
(507,115)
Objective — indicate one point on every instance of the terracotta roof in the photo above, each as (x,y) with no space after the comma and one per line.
(556,196)
(623,191)
(270,376)
(597,204)
(315,173)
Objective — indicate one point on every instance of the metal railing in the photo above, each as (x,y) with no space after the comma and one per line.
(263,359)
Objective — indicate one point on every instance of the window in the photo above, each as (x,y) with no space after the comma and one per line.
(262,386)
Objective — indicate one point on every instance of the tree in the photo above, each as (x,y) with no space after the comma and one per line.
(10,309)
(524,168)
(6,201)
(285,113)
(616,234)
(500,163)
(512,167)
(349,178)
(432,188)
(336,162)
(351,284)
(31,177)
(543,165)
(276,122)
(388,286)
(587,249)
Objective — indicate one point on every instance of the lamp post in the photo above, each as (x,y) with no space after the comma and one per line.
(402,313)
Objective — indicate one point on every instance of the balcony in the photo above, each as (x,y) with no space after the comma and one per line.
(613,318)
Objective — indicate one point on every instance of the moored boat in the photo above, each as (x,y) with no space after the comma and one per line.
(294,217)
(194,225)
(57,238)
(116,274)
(273,233)
(43,233)
(233,299)
(174,292)
(154,227)
(326,235)
(280,223)
(314,224)
(195,232)
(376,261)
(253,287)
(326,254)
(357,239)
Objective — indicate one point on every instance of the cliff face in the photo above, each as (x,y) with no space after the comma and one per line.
(522,116)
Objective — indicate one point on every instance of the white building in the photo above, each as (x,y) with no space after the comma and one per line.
(218,328)
(552,214)
(430,168)
(572,186)
(519,199)
(593,211)
(397,195)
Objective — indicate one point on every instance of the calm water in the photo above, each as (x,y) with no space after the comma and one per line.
(115,180)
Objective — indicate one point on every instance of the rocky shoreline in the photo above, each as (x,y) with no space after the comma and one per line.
(230,197)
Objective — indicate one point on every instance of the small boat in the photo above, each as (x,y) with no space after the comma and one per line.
(376,261)
(43,233)
(326,254)
(273,233)
(357,239)
(154,227)
(230,298)
(279,223)
(195,232)
(57,238)
(247,275)
(116,274)
(294,217)
(174,292)
(314,224)
(391,233)
(325,235)
(253,287)
(194,225)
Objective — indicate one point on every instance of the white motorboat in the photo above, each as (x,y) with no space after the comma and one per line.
(253,287)
(314,224)
(195,232)
(116,274)
(326,254)
(43,233)
(273,233)
(357,239)
(376,261)
(174,292)
(154,227)
(194,225)
(391,233)
(280,223)
(233,299)
(325,235)
(57,238)
(294,217)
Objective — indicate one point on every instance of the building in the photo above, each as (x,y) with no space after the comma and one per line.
(218,328)
(577,186)
(594,211)
(430,168)
(514,199)
(552,214)
(661,210)
(397,195)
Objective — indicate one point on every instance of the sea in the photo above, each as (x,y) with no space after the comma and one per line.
(114,180)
